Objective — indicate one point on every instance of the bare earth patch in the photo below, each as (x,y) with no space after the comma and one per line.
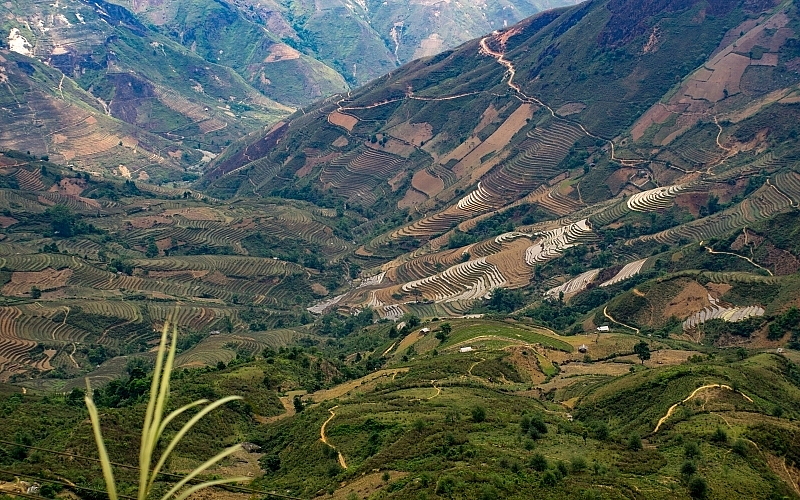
(693,298)
(414,133)
(345,121)
(412,198)
(427,183)
(21,282)
(570,108)
(7,221)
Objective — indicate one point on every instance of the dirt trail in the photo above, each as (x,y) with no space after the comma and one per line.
(71,356)
(438,390)
(511,71)
(324,438)
(66,315)
(469,372)
(605,313)
(748,259)
(692,395)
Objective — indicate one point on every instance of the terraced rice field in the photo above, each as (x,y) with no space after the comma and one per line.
(628,271)
(357,174)
(573,286)
(552,243)
(782,192)
(654,199)
(718,311)
(469,280)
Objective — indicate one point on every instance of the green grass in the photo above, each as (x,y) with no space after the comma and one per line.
(494,331)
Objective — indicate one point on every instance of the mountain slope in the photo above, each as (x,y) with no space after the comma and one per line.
(556,116)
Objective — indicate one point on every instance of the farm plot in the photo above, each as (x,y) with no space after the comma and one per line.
(552,243)
(654,199)
(29,181)
(356,177)
(536,161)
(628,271)
(718,311)
(13,350)
(573,286)
(469,280)
(47,279)
(780,194)
(470,332)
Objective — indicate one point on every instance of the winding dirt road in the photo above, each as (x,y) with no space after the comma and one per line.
(324,438)
(692,395)
(605,313)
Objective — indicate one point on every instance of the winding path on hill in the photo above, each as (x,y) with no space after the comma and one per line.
(692,395)
(605,313)
(66,315)
(511,71)
(748,259)
(324,438)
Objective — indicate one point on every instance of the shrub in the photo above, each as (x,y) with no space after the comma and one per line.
(634,442)
(578,464)
(698,488)
(538,462)
(688,468)
(549,479)
(691,450)
(719,436)
(478,414)
(740,447)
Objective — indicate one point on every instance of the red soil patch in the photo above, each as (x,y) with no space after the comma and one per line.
(217,278)
(693,298)
(657,114)
(70,187)
(345,121)
(414,133)
(313,161)
(427,183)
(7,221)
(412,198)
(21,282)
(619,178)
(396,181)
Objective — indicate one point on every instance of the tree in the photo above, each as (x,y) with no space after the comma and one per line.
(298,404)
(478,414)
(642,350)
(35,292)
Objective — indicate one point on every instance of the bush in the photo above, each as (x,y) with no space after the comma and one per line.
(740,447)
(578,464)
(698,488)
(691,450)
(549,479)
(688,468)
(478,414)
(538,462)
(634,442)
(719,436)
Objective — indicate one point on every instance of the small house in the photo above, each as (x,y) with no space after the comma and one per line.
(603,328)
(582,349)
(425,331)
(465,349)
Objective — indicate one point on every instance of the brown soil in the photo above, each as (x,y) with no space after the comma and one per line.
(345,121)
(21,282)
(194,213)
(70,187)
(412,198)
(496,141)
(149,221)
(168,274)
(281,52)
(693,298)
(319,289)
(524,360)
(427,183)
(340,142)
(365,486)
(397,181)
(619,178)
(395,147)
(312,161)
(414,133)
(7,221)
